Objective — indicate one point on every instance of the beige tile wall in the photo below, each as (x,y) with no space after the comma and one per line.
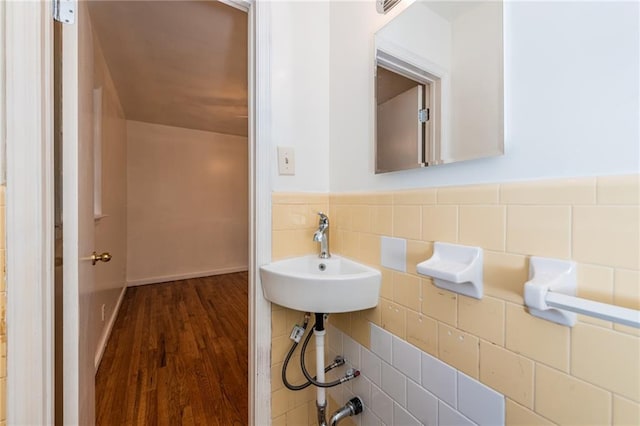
(549,373)
(294,221)
(3,304)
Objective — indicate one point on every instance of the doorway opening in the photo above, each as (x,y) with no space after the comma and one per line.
(409,106)
(163,112)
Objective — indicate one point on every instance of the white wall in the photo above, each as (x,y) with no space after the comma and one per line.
(424,38)
(571,97)
(110,231)
(423,32)
(187,212)
(476,83)
(299,92)
(351,89)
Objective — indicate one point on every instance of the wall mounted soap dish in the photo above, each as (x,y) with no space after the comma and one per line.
(547,275)
(456,268)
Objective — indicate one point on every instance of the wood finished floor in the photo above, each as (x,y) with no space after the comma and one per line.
(177,355)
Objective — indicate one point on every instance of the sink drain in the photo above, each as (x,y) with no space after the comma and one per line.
(322,266)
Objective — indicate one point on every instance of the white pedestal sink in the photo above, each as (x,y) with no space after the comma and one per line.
(312,284)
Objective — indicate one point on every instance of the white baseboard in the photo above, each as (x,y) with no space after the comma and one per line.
(167,278)
(102,343)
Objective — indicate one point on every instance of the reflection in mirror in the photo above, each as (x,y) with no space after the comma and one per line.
(401,136)
(407,115)
(448,58)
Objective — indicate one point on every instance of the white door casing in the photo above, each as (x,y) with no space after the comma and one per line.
(30,223)
(260,147)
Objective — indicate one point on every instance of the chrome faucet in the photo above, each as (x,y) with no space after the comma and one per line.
(322,236)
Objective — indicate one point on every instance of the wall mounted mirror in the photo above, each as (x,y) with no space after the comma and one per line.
(439,84)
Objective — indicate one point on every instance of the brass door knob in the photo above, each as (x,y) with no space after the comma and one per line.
(104,257)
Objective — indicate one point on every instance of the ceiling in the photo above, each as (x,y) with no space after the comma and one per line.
(177,63)
(451,9)
(390,84)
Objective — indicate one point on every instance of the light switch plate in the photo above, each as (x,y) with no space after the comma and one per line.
(286,161)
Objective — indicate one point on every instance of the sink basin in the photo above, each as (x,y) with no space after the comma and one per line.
(311,284)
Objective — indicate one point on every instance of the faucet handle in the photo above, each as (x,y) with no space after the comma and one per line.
(323,217)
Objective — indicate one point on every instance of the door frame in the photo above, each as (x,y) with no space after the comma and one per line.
(26,68)
(28,102)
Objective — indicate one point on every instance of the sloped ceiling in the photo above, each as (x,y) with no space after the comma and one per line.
(177,63)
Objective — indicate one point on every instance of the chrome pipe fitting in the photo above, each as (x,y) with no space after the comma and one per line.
(351,408)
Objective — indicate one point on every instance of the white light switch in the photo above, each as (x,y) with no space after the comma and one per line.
(286,161)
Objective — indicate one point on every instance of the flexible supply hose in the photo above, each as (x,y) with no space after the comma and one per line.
(284,372)
(313,380)
(288,358)
(337,362)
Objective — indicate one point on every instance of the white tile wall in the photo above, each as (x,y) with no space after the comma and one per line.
(362,388)
(394,384)
(370,365)
(440,379)
(480,403)
(381,405)
(447,416)
(393,253)
(381,343)
(402,386)
(422,404)
(402,417)
(351,351)
(406,358)
(370,419)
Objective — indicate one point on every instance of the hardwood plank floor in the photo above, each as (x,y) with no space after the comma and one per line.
(178,355)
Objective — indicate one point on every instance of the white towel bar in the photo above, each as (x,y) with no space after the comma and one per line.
(550,294)
(617,314)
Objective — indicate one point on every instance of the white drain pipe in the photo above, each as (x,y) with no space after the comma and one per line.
(321,397)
